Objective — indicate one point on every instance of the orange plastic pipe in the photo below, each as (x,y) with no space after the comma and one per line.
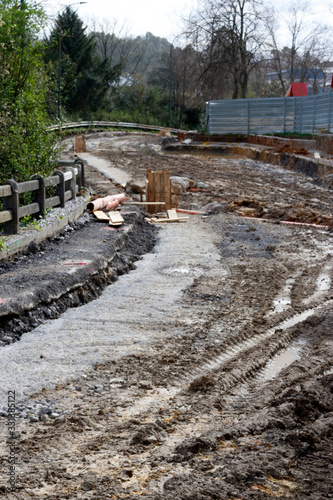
(107,203)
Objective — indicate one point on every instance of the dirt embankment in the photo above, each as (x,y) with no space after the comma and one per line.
(233,398)
(240,185)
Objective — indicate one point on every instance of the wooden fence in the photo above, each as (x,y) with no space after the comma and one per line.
(66,183)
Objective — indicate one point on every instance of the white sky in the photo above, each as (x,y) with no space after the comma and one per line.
(160,17)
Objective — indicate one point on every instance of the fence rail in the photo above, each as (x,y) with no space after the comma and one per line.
(87,124)
(67,184)
(303,115)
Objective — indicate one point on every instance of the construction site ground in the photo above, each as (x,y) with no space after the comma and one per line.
(204,371)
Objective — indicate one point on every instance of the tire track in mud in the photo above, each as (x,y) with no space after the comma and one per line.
(245,394)
(194,428)
(157,407)
(143,431)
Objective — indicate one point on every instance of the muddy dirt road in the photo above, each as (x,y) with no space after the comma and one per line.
(226,391)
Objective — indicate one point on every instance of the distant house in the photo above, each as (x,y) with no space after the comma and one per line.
(297,89)
(318,81)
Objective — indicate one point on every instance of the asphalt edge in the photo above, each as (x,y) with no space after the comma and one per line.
(26,312)
(18,243)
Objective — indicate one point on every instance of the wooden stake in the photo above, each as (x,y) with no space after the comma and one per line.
(159,190)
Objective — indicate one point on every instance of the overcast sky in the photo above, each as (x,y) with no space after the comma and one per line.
(160,17)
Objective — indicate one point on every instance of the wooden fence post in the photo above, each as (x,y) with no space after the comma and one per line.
(80,144)
(40,195)
(60,191)
(12,203)
(79,164)
(72,182)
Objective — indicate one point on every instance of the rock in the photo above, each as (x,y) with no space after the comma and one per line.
(215,207)
(179,184)
(33,322)
(7,339)
(202,185)
(47,313)
(54,415)
(136,187)
(33,247)
(88,485)
(191,184)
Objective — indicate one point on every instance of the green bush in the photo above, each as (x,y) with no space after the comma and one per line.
(26,148)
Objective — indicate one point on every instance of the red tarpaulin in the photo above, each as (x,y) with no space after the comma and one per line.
(297,89)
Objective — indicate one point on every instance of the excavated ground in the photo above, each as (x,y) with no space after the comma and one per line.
(244,186)
(234,397)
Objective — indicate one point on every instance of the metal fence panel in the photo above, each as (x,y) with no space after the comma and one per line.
(307,114)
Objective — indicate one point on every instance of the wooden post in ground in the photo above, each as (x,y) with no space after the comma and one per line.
(158,189)
(80,144)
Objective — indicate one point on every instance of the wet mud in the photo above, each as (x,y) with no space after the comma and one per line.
(232,401)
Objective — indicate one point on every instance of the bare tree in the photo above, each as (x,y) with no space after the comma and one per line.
(308,52)
(229,35)
(114,43)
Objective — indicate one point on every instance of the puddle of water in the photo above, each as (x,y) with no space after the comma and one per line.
(281,361)
(252,342)
(297,318)
(323,282)
(281,304)
(182,271)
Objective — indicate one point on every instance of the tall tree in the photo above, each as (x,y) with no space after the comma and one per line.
(85,77)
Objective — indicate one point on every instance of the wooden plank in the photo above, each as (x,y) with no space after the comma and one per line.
(5,190)
(116,218)
(143,203)
(5,216)
(172,214)
(159,190)
(24,187)
(149,195)
(157,187)
(165,219)
(101,215)
(80,144)
(167,189)
(31,209)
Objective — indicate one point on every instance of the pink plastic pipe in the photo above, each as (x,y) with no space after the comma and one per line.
(107,203)
(287,222)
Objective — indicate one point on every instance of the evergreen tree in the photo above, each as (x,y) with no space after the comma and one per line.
(85,77)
